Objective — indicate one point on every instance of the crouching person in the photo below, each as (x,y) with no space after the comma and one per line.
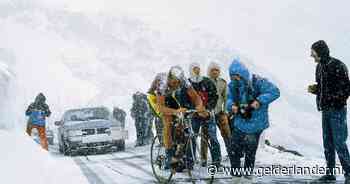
(248,100)
(38,111)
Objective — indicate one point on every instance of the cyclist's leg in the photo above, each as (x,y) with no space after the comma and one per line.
(214,142)
(167,139)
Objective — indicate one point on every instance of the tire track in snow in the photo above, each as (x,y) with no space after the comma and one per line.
(91,176)
(136,166)
(113,167)
(114,164)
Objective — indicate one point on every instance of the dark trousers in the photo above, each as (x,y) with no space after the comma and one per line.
(141,128)
(243,144)
(335,133)
(208,126)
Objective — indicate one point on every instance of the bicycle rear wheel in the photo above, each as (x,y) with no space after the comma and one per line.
(158,160)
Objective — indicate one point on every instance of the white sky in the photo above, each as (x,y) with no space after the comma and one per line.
(270,32)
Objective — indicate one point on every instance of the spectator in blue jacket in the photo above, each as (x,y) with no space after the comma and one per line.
(38,111)
(248,101)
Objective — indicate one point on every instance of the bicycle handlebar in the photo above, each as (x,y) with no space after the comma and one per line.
(191,112)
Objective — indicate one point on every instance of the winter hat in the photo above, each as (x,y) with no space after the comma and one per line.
(213,65)
(321,48)
(176,72)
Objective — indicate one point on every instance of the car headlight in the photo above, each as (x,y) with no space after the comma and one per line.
(73,133)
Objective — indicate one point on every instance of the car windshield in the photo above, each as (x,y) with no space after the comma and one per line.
(87,114)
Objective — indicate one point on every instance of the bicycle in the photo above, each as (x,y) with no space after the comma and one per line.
(183,136)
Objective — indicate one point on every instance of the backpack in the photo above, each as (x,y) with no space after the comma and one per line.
(37,117)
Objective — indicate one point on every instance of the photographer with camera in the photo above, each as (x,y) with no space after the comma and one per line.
(248,100)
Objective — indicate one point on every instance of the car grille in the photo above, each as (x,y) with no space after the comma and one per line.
(92,131)
(102,130)
(88,131)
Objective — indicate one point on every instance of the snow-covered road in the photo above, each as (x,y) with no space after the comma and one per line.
(133,167)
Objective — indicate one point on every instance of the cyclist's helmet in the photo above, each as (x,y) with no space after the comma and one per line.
(176,72)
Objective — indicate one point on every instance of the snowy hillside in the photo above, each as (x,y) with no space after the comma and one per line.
(86,54)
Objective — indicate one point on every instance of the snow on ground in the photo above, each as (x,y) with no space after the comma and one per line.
(23,161)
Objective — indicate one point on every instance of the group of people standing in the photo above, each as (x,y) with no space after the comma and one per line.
(241,108)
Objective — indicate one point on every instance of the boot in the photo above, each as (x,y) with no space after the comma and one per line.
(169,153)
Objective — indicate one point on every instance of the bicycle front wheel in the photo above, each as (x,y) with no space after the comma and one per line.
(158,161)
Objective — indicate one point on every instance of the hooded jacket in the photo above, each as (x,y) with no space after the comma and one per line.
(333,86)
(262,90)
(140,108)
(221,88)
(38,110)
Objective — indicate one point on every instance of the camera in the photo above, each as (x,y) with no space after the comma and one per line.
(245,110)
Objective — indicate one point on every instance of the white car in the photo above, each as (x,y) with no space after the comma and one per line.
(90,129)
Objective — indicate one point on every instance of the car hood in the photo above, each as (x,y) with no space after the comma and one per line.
(78,125)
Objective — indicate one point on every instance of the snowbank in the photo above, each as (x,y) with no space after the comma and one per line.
(23,161)
(5,78)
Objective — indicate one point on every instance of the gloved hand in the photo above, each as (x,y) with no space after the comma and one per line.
(312,89)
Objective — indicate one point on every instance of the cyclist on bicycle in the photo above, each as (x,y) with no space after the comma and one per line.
(168,89)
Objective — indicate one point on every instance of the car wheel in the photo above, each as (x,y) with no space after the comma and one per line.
(121,145)
(50,141)
(60,149)
(66,150)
